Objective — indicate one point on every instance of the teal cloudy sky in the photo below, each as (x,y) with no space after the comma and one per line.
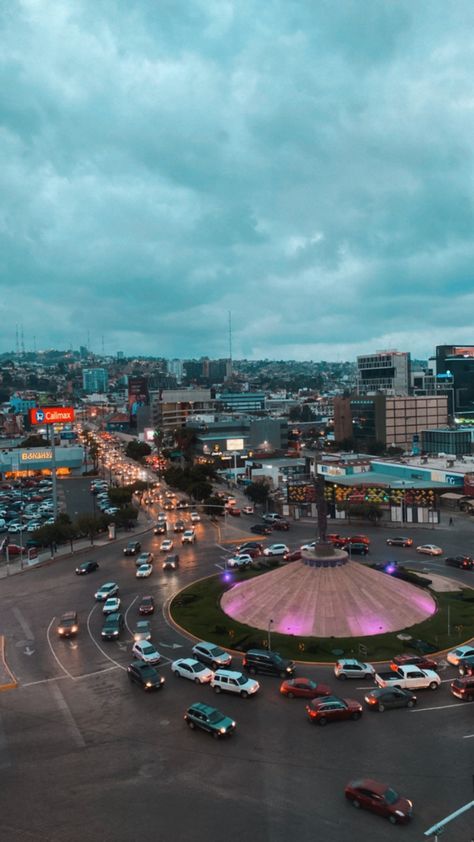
(305,165)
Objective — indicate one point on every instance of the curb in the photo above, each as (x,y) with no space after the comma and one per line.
(13,683)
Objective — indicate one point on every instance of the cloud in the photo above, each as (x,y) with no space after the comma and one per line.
(306,166)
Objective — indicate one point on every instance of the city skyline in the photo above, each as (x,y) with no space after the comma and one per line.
(303,167)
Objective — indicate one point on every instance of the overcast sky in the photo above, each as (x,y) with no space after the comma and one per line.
(307,166)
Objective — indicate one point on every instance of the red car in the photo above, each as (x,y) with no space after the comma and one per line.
(338,541)
(293,556)
(333,709)
(232,510)
(15,549)
(463,688)
(304,688)
(147,605)
(380,799)
(359,539)
(282,525)
(406,660)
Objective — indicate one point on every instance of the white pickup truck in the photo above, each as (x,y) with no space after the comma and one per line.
(408,678)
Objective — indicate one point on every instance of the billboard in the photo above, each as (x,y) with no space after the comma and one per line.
(137,393)
(51,415)
(234,444)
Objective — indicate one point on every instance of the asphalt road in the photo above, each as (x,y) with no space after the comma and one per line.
(86,755)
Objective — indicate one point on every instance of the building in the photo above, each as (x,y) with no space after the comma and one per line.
(241,401)
(95,380)
(458,361)
(452,442)
(385,371)
(388,421)
(18,462)
(228,435)
(171,408)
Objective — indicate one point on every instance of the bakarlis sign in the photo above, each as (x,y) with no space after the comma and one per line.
(52,415)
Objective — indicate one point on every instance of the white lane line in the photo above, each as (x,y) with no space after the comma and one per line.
(438,707)
(468,736)
(60,665)
(68,717)
(43,681)
(126,615)
(24,625)
(94,641)
(97,672)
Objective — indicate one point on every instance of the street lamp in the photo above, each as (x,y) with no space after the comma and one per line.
(269,634)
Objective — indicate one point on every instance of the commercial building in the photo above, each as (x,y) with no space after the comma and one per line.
(261,435)
(385,371)
(452,442)
(95,380)
(17,462)
(458,361)
(241,401)
(171,408)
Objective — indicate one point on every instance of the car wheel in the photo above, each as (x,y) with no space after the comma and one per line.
(356,803)
(197,681)
(217,688)
(411,703)
(368,675)
(290,695)
(389,543)
(342,676)
(433,685)
(244,694)
(176,673)
(322,721)
(392,819)
(191,725)
(381,708)
(355,715)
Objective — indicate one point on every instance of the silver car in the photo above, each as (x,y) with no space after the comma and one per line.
(351,668)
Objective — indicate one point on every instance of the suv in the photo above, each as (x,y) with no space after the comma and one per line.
(145,676)
(160,528)
(171,562)
(188,537)
(466,665)
(464,562)
(179,526)
(357,548)
(132,548)
(349,668)
(271,517)
(211,655)
(113,625)
(209,719)
(271,663)
(234,682)
(463,688)
(68,624)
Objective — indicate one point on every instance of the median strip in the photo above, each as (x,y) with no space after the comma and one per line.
(7,679)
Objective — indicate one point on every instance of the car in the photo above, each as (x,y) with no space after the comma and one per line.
(253,548)
(271,517)
(195,517)
(407,659)
(281,525)
(333,709)
(454,656)
(239,562)
(248,510)
(171,562)
(145,675)
(357,548)
(384,698)
(463,688)
(228,681)
(147,605)
(145,651)
(466,665)
(304,688)
(234,511)
(310,546)
(269,663)
(144,571)
(132,548)
(160,528)
(179,526)
(106,591)
(166,545)
(400,541)
(358,539)
(113,625)
(336,539)
(144,558)
(68,624)
(142,630)
(261,529)
(182,504)
(294,555)
(188,537)
(209,719)
(111,605)
(87,567)
(211,655)
(276,551)
(429,549)
(168,506)
(379,798)
(351,668)
(161,517)
(192,669)
(463,562)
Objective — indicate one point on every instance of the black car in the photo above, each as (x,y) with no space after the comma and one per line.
(113,626)
(179,526)
(464,562)
(261,529)
(399,541)
(171,562)
(68,625)
(466,665)
(357,549)
(209,719)
(384,698)
(282,525)
(270,663)
(160,528)
(132,548)
(87,567)
(145,676)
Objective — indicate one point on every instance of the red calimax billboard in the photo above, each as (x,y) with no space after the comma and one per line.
(52,415)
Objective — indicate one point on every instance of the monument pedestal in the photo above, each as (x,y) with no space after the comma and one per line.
(324,554)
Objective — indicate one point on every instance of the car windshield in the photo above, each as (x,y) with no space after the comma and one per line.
(215,651)
(242,679)
(391,796)
(197,667)
(147,648)
(215,716)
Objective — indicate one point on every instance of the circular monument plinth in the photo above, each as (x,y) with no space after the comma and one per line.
(326,595)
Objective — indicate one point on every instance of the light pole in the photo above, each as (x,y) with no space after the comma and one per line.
(269,634)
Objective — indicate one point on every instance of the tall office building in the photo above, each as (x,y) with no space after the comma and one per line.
(385,371)
(95,380)
(390,421)
(458,361)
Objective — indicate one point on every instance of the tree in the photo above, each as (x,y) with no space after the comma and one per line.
(213,506)
(34,441)
(258,491)
(137,450)
(200,490)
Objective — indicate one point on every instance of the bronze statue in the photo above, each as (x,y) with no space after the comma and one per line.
(319,486)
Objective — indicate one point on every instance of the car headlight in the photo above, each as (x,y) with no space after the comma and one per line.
(148,684)
(115,633)
(399,813)
(222,730)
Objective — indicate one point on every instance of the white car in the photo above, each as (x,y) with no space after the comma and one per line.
(16,527)
(32,527)
(106,591)
(309,546)
(145,651)
(248,510)
(111,605)
(188,537)
(195,517)
(144,571)
(455,655)
(241,561)
(429,549)
(144,558)
(142,631)
(350,668)
(276,550)
(166,545)
(234,682)
(192,669)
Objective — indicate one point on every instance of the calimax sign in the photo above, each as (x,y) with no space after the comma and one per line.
(51,415)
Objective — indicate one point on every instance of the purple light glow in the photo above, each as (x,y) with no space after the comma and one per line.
(294,623)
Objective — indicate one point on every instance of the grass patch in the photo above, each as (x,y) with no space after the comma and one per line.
(197,609)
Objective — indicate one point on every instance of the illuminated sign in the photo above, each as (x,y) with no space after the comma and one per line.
(34,455)
(234,444)
(51,415)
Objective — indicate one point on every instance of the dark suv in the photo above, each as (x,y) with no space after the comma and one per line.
(466,665)
(132,548)
(271,663)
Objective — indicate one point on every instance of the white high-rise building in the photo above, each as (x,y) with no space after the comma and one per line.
(384,371)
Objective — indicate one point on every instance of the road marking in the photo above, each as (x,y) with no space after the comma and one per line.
(60,665)
(220,566)
(96,672)
(468,736)
(438,707)
(24,625)
(112,660)
(126,614)
(171,645)
(68,717)
(28,651)
(44,681)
